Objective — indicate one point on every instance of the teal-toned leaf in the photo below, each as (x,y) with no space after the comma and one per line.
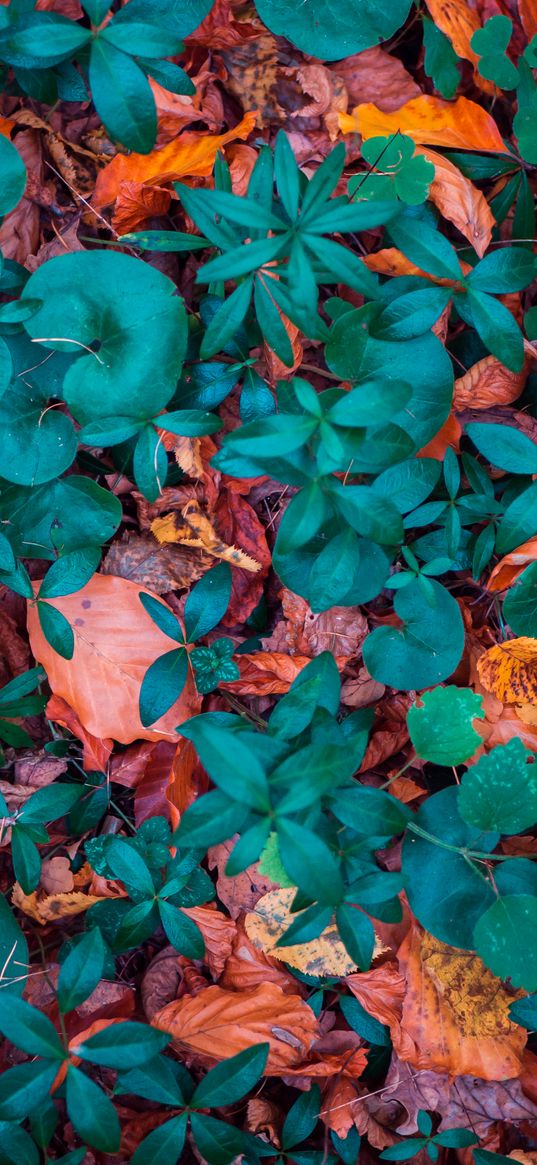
(59,516)
(91,1112)
(81,970)
(504,938)
(13,173)
(123,97)
(56,629)
(232,1079)
(164,1145)
(441,728)
(440,61)
(29,1029)
(38,442)
(520,603)
(426,650)
(499,792)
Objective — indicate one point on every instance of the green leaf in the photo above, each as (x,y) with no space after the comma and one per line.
(207,602)
(440,61)
(26,860)
(122,1045)
(230,761)
(426,247)
(332,571)
(218,1143)
(162,685)
(122,96)
(495,325)
(301,1118)
(18,1148)
(70,573)
(371,813)
(56,629)
(499,792)
(41,40)
(163,1146)
(309,862)
(24,1088)
(334,34)
(490,43)
(357,933)
(49,803)
(447,892)
(38,442)
(29,1029)
(403,1150)
(232,1079)
(520,603)
(13,173)
(504,938)
(59,516)
(524,1012)
(162,616)
(91,1112)
(441,730)
(171,77)
(127,864)
(371,403)
(128,315)
(502,271)
(181,931)
(150,463)
(364,1024)
(426,650)
(456,1138)
(139,38)
(504,446)
(81,970)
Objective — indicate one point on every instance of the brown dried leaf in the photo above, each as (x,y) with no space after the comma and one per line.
(511,566)
(488,383)
(455,1015)
(241,892)
(217,1024)
(197,530)
(375,75)
(460,201)
(248,967)
(340,630)
(218,933)
(56,876)
(45,908)
(159,568)
(509,670)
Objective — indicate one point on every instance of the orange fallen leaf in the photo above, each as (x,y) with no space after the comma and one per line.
(509,670)
(511,566)
(528,16)
(96,750)
(380,991)
(460,201)
(458,21)
(448,437)
(488,382)
(115,643)
(216,1024)
(391,261)
(190,154)
(196,529)
(429,121)
(218,933)
(266,673)
(45,908)
(248,967)
(455,1016)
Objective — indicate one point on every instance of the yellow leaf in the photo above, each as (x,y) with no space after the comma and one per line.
(197,530)
(509,671)
(460,124)
(323,956)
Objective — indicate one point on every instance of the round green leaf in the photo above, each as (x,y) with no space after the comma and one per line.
(499,792)
(127,314)
(446,892)
(428,647)
(520,603)
(330,31)
(504,938)
(38,442)
(59,516)
(13,173)
(441,730)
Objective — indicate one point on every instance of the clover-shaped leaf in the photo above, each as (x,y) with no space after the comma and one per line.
(490,43)
(398,171)
(125,321)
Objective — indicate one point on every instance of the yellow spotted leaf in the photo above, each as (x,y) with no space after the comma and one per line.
(193,528)
(323,956)
(509,671)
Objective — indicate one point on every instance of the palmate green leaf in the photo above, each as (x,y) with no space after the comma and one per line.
(441,728)
(447,893)
(92,1114)
(24,1088)
(13,173)
(429,646)
(164,1145)
(490,43)
(122,96)
(499,792)
(130,313)
(329,33)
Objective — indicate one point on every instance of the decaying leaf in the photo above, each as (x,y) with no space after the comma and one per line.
(159,569)
(455,1015)
(217,1024)
(323,956)
(45,908)
(197,530)
(511,566)
(509,670)
(488,383)
(460,201)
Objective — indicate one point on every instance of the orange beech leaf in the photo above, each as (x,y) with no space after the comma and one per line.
(460,201)
(115,643)
(391,261)
(509,670)
(381,992)
(96,750)
(248,967)
(375,73)
(136,203)
(455,1014)
(187,780)
(276,369)
(448,437)
(488,382)
(218,933)
(241,892)
(188,155)
(217,1024)
(323,956)
(430,121)
(266,673)
(511,566)
(528,16)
